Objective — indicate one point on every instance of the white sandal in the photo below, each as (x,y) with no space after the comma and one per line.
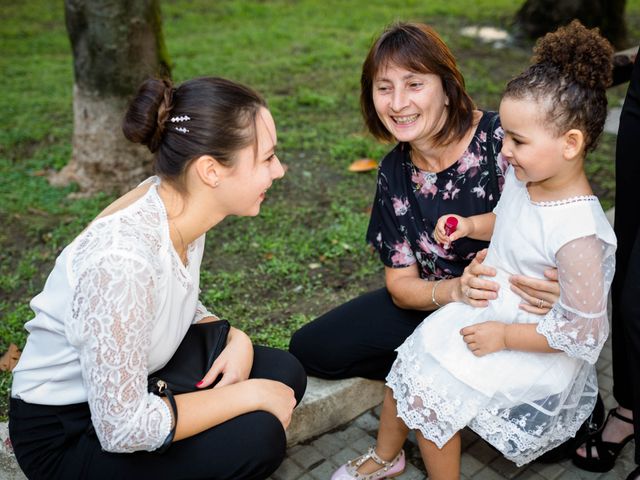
(349,471)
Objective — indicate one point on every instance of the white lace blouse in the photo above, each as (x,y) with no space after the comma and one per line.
(115,308)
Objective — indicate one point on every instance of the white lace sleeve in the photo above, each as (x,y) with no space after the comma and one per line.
(578,323)
(111,319)
(202,312)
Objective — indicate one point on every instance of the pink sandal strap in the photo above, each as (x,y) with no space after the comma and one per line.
(385,466)
(374,456)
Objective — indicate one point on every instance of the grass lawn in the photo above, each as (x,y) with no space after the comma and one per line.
(305,253)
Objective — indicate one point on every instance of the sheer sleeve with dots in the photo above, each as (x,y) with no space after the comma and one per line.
(578,323)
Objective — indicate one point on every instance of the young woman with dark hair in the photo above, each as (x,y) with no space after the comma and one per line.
(125,291)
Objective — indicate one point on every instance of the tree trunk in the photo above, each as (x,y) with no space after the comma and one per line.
(537,17)
(116,45)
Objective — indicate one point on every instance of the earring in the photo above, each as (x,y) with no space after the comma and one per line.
(216,184)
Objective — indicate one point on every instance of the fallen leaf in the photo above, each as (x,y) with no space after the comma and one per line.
(363,165)
(10,358)
(37,211)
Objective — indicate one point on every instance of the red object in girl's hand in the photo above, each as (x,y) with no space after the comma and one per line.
(450,225)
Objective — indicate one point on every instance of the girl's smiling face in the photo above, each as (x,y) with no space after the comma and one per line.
(411,105)
(535,152)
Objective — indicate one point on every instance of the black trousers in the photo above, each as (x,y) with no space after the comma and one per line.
(356,339)
(625,291)
(56,442)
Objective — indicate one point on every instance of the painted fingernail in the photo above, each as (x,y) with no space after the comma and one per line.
(199,383)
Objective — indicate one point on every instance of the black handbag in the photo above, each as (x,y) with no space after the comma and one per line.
(195,355)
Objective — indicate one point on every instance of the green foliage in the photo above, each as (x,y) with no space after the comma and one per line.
(5,388)
(12,325)
(305,253)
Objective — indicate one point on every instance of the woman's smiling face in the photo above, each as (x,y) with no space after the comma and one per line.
(255,169)
(411,105)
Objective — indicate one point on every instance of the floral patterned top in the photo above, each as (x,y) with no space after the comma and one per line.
(409,201)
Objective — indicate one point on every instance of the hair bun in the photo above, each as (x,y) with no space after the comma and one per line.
(147,114)
(579,53)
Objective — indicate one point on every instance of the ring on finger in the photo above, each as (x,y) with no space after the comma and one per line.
(467,291)
(540,303)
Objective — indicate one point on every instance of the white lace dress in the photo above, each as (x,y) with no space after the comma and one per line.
(114,309)
(523,403)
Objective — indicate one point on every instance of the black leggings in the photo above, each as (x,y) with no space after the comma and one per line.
(56,442)
(625,291)
(356,339)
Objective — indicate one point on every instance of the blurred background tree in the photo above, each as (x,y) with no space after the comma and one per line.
(116,44)
(537,17)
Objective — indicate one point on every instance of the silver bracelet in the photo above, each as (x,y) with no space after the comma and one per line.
(433,293)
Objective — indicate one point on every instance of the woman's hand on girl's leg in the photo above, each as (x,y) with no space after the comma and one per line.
(474,290)
(539,295)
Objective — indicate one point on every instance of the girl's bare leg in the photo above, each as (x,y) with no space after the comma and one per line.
(391,434)
(444,463)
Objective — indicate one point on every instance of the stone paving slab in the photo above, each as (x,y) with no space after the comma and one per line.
(9,469)
(327,404)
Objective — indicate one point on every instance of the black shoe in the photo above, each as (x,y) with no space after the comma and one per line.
(607,451)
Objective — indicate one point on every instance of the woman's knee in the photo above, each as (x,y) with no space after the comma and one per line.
(300,344)
(319,353)
(281,366)
(319,358)
(292,373)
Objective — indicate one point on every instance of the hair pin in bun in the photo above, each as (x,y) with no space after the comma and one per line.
(178,119)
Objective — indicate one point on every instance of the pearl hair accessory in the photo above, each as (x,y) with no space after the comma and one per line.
(180,118)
